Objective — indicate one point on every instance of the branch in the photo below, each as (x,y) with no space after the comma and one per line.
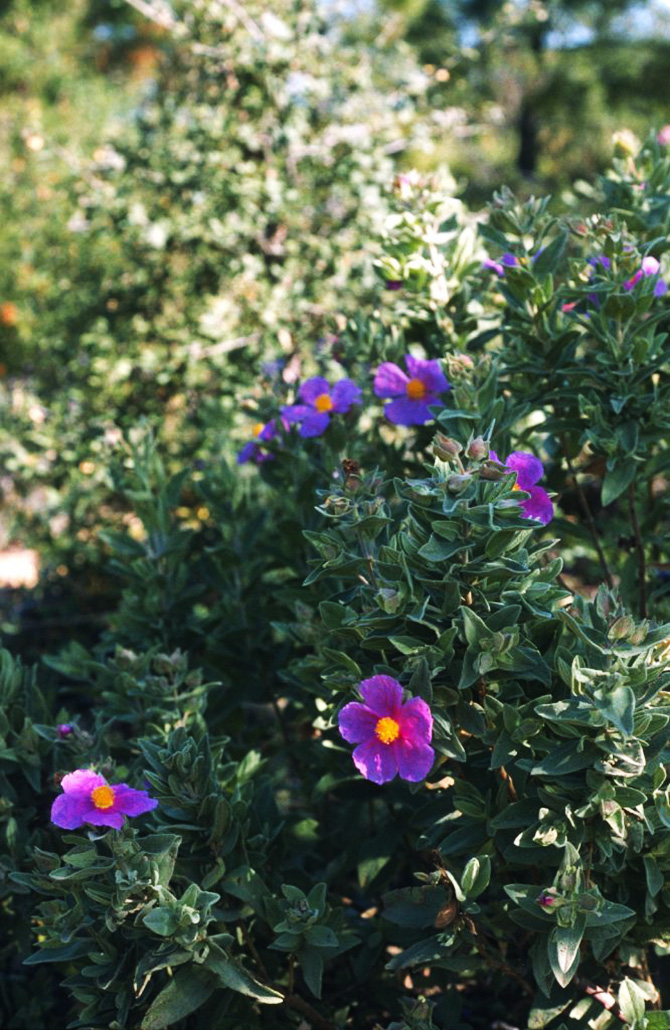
(591,524)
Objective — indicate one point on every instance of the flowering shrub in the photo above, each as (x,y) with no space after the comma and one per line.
(489,634)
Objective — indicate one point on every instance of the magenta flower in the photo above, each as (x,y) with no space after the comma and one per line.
(414,393)
(319,401)
(64,730)
(253,451)
(650,267)
(529,470)
(507,261)
(392,737)
(88,798)
(663,136)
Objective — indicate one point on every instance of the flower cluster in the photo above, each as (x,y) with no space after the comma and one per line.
(411,396)
(88,798)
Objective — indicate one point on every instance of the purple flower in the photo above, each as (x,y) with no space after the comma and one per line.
(253,451)
(393,284)
(507,261)
(64,730)
(392,737)
(88,798)
(529,470)
(650,267)
(319,400)
(414,392)
(602,260)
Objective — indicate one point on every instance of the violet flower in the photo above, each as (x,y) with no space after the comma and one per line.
(529,470)
(320,400)
(507,261)
(414,392)
(64,730)
(88,798)
(392,737)
(252,451)
(650,267)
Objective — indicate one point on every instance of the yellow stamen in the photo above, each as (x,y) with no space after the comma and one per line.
(258,429)
(516,487)
(387,730)
(103,797)
(416,389)
(323,402)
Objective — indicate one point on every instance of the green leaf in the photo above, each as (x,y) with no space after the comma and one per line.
(185,992)
(311,963)
(565,759)
(415,906)
(617,480)
(631,1002)
(563,951)
(655,878)
(231,974)
(163,921)
(476,876)
(321,937)
(548,259)
(618,706)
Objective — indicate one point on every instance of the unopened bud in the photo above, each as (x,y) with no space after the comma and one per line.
(478,449)
(446,448)
(639,633)
(621,628)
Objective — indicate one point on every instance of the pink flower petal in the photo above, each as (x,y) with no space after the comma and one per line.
(415,759)
(345,393)
(84,780)
(416,720)
(375,761)
(528,468)
(539,505)
(129,801)
(406,412)
(357,722)
(68,810)
(390,381)
(429,372)
(382,694)
(313,388)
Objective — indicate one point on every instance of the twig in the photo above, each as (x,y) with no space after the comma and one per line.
(600,995)
(591,524)
(317,1020)
(639,547)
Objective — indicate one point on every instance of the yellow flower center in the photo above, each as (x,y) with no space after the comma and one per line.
(516,487)
(103,797)
(323,402)
(258,429)
(387,730)
(416,389)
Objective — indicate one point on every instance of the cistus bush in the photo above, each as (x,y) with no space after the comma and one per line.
(382,708)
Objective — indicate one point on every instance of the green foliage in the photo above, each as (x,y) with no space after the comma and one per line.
(524,881)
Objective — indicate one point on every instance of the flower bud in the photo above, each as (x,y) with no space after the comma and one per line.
(446,448)
(478,449)
(621,628)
